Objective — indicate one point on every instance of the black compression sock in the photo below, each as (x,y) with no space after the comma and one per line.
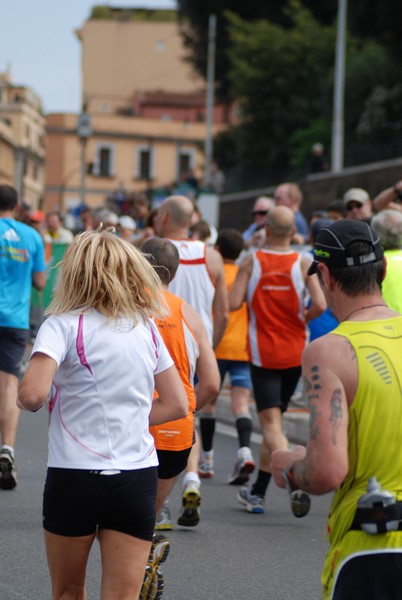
(244,427)
(207,430)
(259,488)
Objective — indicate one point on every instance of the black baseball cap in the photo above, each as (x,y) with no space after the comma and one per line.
(331,245)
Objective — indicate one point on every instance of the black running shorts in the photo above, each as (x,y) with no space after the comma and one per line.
(76,502)
(370,577)
(12,347)
(274,387)
(171,462)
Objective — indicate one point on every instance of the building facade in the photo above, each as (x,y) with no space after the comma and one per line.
(22,140)
(123,155)
(7,153)
(146,109)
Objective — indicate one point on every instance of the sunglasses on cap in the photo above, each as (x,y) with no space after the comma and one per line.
(354,204)
(259,213)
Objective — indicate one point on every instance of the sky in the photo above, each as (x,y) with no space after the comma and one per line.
(40,49)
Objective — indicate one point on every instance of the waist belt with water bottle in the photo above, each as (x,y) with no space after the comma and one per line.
(377,511)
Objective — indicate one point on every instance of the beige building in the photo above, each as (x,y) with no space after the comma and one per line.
(22,140)
(122,153)
(7,153)
(124,57)
(144,104)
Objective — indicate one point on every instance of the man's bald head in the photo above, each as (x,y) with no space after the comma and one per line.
(281,222)
(179,209)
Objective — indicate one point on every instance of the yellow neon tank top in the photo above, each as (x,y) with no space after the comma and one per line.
(374,436)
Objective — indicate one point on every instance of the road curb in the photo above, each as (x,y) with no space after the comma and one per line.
(295,420)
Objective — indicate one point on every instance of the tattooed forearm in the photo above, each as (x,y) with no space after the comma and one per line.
(336,413)
(299,470)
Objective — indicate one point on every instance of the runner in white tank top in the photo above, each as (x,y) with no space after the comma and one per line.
(193,282)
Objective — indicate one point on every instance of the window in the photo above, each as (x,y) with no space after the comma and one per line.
(144,167)
(104,161)
(185,161)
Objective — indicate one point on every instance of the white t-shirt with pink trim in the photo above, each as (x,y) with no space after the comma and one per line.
(103,390)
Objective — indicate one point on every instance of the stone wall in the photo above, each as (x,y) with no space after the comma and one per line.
(318,190)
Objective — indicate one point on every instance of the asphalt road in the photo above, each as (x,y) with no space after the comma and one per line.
(230,555)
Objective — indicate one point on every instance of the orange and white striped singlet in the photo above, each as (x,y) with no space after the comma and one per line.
(275,298)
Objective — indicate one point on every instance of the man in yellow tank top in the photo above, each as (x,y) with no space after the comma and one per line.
(388,226)
(352,381)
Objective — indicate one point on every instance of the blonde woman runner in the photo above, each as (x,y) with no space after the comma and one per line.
(101,355)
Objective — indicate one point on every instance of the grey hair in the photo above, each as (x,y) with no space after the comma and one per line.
(388,226)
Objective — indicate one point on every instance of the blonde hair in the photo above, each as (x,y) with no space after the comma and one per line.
(103,272)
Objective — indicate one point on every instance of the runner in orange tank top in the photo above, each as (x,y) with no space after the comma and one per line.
(187,341)
(274,281)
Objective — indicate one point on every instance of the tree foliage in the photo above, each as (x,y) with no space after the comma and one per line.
(276,59)
(283,79)
(194,18)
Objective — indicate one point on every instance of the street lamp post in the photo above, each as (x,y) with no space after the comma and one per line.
(84,131)
(339,89)
(64,181)
(210,95)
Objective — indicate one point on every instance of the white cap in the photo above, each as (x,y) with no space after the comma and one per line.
(356,195)
(127,222)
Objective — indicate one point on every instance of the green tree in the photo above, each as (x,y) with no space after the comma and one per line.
(193,20)
(276,59)
(283,79)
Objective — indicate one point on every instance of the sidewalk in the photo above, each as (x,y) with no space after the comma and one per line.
(295,420)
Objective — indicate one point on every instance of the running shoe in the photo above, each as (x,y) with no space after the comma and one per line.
(300,501)
(191,499)
(243,467)
(252,502)
(152,587)
(8,472)
(206,465)
(163,520)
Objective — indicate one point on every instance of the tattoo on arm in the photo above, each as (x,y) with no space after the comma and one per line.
(300,474)
(307,385)
(314,428)
(312,388)
(315,378)
(336,413)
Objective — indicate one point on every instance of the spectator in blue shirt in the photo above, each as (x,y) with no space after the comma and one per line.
(22,264)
